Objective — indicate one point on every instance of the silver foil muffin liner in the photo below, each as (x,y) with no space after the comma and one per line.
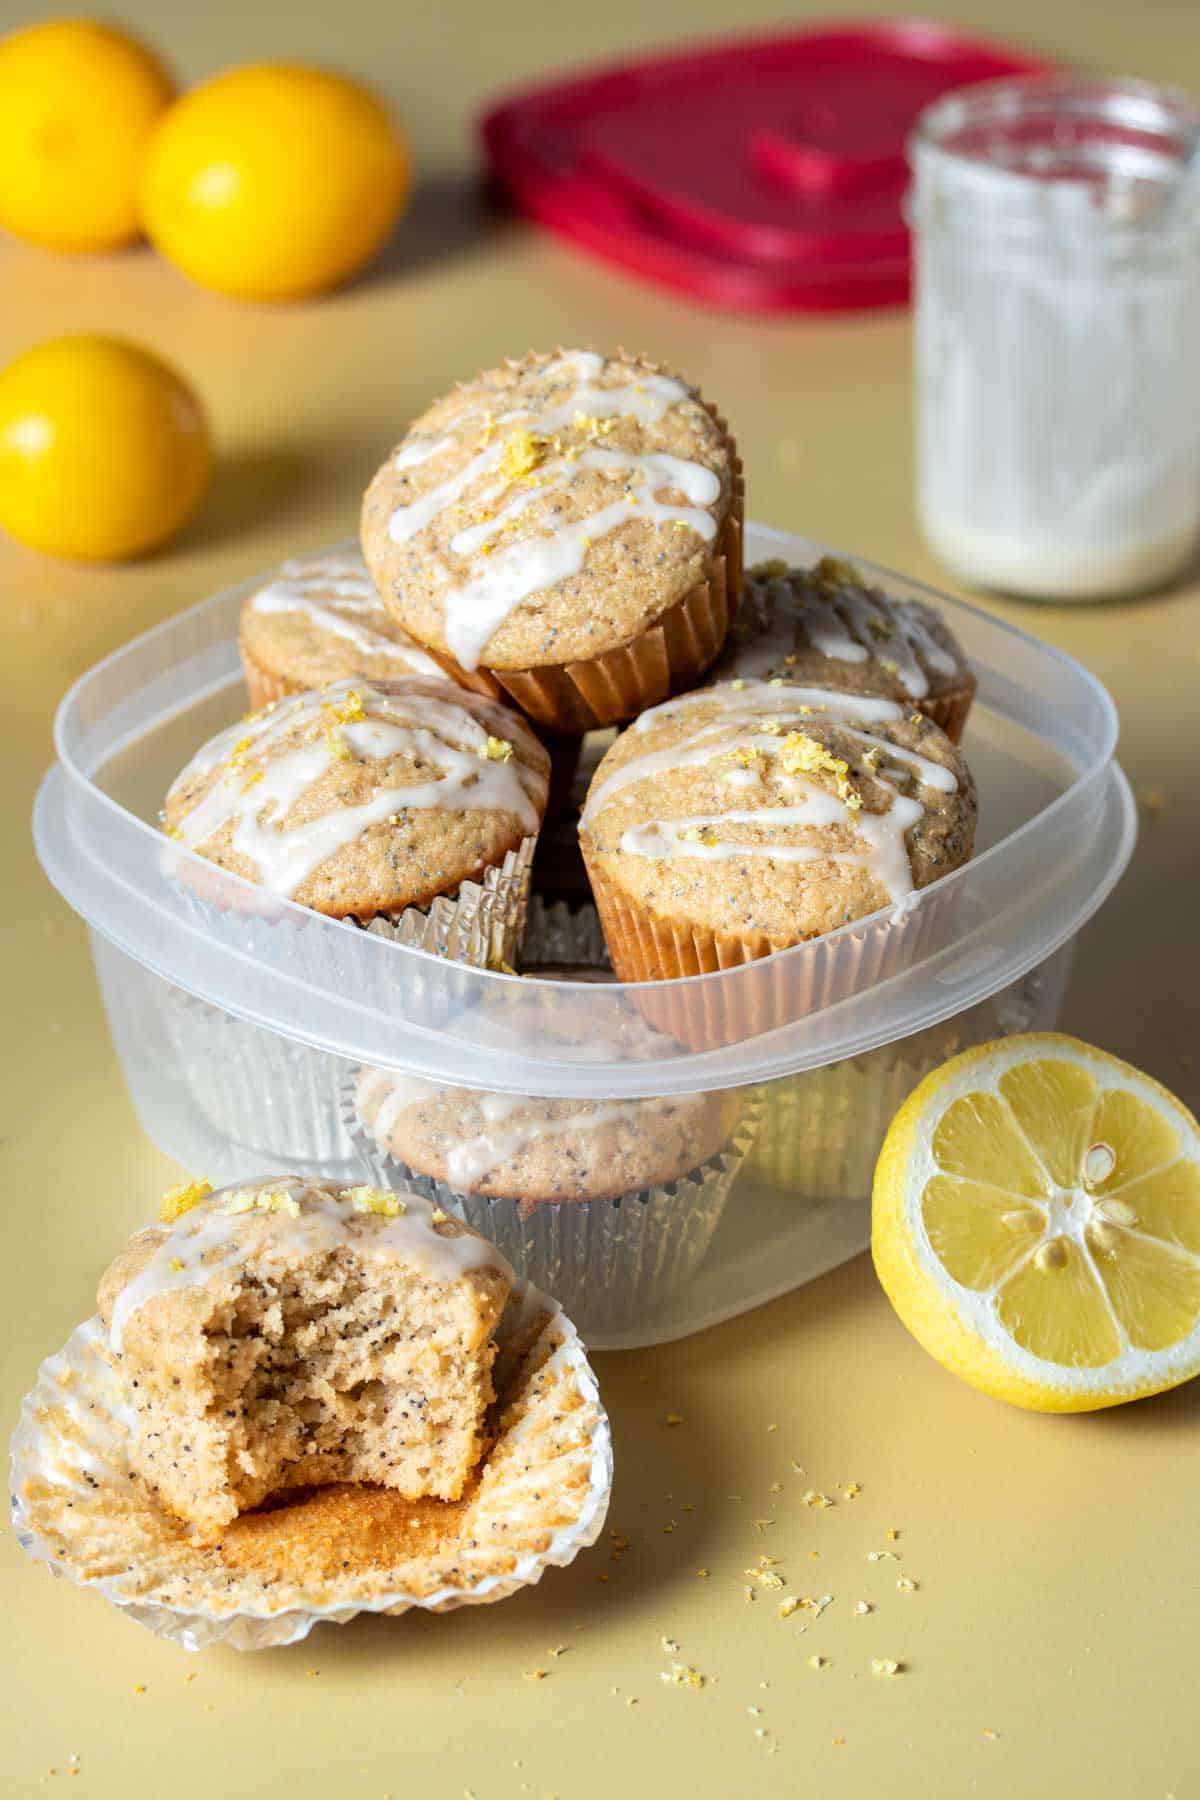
(265,1093)
(279,1098)
(541,1498)
(610,1263)
(481,925)
(563,936)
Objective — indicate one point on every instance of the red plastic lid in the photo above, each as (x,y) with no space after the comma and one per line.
(763,175)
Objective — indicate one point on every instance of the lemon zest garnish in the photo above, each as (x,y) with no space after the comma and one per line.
(179,1200)
(175,1264)
(265,1200)
(523,452)
(375,1200)
(349,711)
(496,750)
(438,1217)
(252,780)
(336,745)
(803,755)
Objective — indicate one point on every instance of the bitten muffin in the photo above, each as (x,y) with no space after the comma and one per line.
(319,619)
(366,799)
(827,626)
(540,1151)
(293,1334)
(566,529)
(746,818)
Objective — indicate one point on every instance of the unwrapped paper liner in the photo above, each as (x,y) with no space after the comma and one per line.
(541,1497)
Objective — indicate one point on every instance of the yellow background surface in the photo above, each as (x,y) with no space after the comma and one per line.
(1056,1559)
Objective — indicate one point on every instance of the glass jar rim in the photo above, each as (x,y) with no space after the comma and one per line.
(1143,139)
(1169,111)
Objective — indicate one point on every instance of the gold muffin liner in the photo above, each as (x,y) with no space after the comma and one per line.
(539,1498)
(667,658)
(610,1263)
(263,687)
(648,950)
(949,710)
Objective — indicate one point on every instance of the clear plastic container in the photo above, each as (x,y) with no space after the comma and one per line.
(239,1021)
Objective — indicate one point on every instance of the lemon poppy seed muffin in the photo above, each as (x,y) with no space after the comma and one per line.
(827,626)
(749,817)
(367,799)
(610,1205)
(541,1151)
(566,529)
(317,620)
(293,1334)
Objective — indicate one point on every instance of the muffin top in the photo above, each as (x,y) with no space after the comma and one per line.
(785,811)
(364,798)
(549,510)
(521,1147)
(320,619)
(170,1276)
(828,627)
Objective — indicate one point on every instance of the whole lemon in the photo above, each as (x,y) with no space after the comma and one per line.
(104,449)
(78,101)
(274,181)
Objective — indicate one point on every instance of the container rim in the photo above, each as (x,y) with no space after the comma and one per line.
(185,953)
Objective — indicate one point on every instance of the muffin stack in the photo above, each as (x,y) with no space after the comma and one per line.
(552,553)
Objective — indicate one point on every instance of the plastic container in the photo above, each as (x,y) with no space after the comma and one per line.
(1057,336)
(759,173)
(303,999)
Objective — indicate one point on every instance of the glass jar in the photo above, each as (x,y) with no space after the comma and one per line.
(1056,224)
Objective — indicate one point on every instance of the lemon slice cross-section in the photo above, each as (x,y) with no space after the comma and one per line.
(1036,1224)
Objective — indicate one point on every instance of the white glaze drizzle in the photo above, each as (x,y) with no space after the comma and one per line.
(474,1158)
(475,609)
(842,618)
(451,732)
(738,710)
(207,1241)
(778,697)
(477,1157)
(337,594)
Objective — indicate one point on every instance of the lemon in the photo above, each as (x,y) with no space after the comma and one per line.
(1036,1224)
(274,181)
(78,101)
(104,449)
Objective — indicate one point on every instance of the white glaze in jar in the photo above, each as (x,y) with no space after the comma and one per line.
(1057,263)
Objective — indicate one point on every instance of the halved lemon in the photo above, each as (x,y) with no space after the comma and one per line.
(1036,1224)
